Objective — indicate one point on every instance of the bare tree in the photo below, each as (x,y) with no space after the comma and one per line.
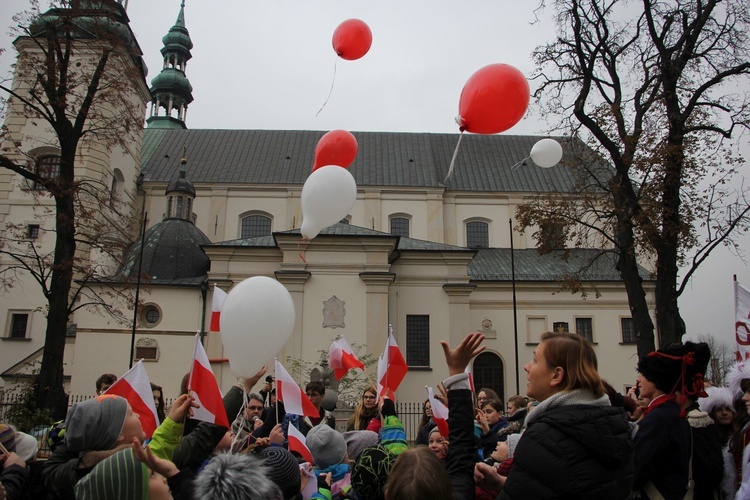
(652,86)
(78,91)
(722,358)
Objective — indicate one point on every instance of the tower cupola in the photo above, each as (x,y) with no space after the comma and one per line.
(171,90)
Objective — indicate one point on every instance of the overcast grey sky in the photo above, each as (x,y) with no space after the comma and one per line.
(270,65)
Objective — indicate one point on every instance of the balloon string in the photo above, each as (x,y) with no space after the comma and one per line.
(302,252)
(333,82)
(453,160)
(515,167)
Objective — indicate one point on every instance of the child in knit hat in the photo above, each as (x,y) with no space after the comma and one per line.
(328,449)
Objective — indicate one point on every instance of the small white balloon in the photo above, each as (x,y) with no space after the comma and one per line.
(328,195)
(546,153)
(257,319)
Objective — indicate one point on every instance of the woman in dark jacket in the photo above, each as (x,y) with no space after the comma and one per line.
(575,444)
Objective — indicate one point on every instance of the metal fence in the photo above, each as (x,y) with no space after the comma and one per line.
(409,413)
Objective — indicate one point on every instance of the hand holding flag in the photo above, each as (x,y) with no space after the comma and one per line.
(439,412)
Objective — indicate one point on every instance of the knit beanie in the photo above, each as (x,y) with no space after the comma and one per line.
(26,446)
(283,469)
(95,424)
(327,446)
(356,441)
(8,437)
(118,477)
(370,472)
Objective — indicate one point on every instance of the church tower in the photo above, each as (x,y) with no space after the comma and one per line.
(171,90)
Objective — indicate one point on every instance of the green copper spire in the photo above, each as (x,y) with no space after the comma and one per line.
(171,90)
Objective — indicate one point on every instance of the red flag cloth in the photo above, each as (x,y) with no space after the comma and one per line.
(217,302)
(204,388)
(294,399)
(741,322)
(439,413)
(341,358)
(135,387)
(471,379)
(394,366)
(298,443)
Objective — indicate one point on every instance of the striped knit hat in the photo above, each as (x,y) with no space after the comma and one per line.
(119,477)
(8,437)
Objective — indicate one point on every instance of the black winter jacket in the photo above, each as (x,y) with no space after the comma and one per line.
(575,451)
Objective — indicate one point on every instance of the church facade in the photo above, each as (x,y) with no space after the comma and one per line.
(431,258)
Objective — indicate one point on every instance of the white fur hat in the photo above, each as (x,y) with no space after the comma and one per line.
(717,398)
(737,373)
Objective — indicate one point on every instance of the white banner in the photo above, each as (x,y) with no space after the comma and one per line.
(741,321)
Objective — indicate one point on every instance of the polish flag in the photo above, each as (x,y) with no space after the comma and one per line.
(298,443)
(741,322)
(135,387)
(394,366)
(471,378)
(383,391)
(341,358)
(203,387)
(439,413)
(217,302)
(294,399)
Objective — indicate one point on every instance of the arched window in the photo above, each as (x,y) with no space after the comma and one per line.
(488,372)
(47,166)
(400,226)
(169,206)
(178,208)
(117,186)
(477,234)
(255,225)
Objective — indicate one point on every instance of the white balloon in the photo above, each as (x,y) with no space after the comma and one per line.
(327,197)
(257,319)
(546,153)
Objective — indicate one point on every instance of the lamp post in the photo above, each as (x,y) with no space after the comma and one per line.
(140,267)
(515,310)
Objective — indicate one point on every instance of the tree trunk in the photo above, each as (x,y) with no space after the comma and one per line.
(49,390)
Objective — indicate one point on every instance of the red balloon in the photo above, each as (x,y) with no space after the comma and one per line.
(493,100)
(352,39)
(337,147)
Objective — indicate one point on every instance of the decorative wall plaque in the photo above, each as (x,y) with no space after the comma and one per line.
(333,313)
(487,329)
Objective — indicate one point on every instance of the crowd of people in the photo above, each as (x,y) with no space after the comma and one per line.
(570,436)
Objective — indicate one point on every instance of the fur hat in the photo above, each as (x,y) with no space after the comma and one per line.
(356,441)
(8,437)
(118,477)
(737,373)
(234,477)
(327,446)
(679,367)
(283,469)
(95,424)
(718,397)
(370,472)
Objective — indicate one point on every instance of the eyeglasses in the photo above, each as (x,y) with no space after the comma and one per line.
(256,408)
(369,397)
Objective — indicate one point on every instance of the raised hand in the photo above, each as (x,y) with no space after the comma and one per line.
(156,464)
(458,359)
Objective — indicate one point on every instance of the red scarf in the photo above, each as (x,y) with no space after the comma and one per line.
(657,402)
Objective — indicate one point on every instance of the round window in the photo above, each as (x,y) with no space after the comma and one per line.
(151,315)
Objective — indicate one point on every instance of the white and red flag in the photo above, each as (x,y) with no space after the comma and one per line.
(135,387)
(294,399)
(439,413)
(471,379)
(393,368)
(341,358)
(298,443)
(204,388)
(741,322)
(217,302)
